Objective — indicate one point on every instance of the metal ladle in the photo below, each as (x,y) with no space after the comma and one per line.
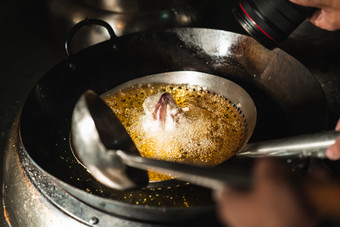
(106,149)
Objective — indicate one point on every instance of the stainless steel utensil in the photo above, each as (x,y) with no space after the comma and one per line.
(105,148)
(304,146)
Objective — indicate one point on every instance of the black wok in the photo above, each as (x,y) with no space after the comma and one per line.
(288,98)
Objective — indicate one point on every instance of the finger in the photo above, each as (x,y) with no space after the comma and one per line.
(333,151)
(231,199)
(313,3)
(323,19)
(233,205)
(337,127)
(269,170)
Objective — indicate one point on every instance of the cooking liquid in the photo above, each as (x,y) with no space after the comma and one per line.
(214,129)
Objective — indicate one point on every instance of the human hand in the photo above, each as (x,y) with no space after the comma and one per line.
(327,16)
(333,151)
(272,202)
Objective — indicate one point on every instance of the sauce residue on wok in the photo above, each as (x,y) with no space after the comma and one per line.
(214,129)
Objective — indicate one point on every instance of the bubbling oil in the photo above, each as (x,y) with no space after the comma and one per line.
(214,129)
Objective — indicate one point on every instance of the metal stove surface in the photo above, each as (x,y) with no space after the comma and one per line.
(29,49)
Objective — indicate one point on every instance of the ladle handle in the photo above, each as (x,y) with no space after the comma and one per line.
(206,177)
(310,145)
(323,197)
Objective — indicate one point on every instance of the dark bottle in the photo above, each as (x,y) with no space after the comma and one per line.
(270,22)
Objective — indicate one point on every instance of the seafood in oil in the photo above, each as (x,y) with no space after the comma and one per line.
(162,113)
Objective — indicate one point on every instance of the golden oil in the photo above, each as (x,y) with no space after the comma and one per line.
(214,132)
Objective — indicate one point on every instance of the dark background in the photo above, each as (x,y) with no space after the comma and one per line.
(30,46)
(27,50)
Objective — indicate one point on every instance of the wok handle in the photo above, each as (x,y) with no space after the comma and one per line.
(310,145)
(83,23)
(206,177)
